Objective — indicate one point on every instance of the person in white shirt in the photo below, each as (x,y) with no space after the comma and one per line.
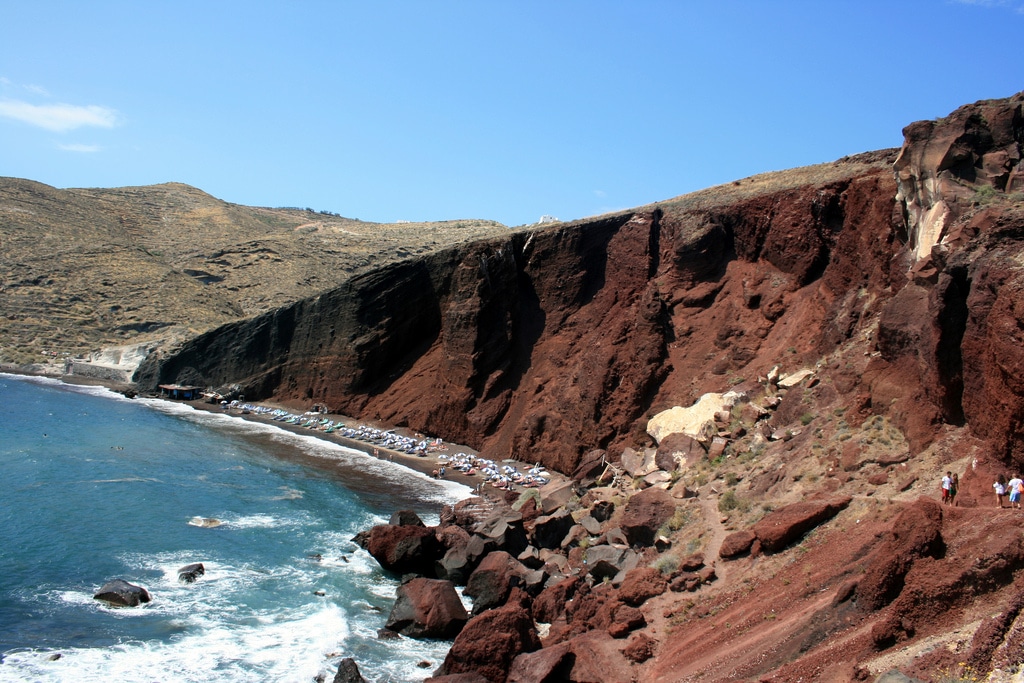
(1014,488)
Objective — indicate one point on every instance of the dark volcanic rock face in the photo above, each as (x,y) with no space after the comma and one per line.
(559,340)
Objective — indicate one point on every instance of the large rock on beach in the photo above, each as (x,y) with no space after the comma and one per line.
(490,584)
(427,608)
(645,512)
(593,657)
(504,527)
(404,549)
(405,518)
(491,641)
(120,593)
(549,530)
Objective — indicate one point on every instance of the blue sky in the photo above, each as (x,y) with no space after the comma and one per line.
(389,111)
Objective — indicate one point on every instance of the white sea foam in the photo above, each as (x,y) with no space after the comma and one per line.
(218,643)
(259,521)
(257,618)
(279,649)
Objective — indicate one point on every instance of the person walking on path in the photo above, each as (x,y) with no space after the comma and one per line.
(947,481)
(954,486)
(1015,487)
(1000,487)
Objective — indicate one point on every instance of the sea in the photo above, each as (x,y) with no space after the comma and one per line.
(96,487)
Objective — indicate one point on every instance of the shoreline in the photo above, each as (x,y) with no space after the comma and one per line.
(425,465)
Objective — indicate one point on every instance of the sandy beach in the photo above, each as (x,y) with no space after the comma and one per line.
(426,464)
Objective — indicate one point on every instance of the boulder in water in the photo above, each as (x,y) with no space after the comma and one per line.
(348,672)
(120,593)
(205,522)
(190,572)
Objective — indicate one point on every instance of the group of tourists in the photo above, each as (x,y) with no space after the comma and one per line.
(1006,491)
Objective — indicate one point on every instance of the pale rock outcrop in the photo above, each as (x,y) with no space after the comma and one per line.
(943,163)
(697,421)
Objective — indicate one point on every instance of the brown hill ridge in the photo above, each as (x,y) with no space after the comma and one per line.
(83,269)
(867,314)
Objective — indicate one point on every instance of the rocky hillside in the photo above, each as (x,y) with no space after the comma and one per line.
(866,315)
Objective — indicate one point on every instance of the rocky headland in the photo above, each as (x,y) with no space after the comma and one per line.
(753,390)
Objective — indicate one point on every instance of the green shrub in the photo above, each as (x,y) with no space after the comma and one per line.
(525,496)
(667,564)
(984,194)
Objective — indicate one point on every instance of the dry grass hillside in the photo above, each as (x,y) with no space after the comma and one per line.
(82,269)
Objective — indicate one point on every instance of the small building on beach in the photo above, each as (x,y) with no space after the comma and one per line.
(180,392)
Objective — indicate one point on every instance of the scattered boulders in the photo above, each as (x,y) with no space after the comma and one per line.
(736,544)
(555,494)
(593,656)
(640,648)
(677,450)
(549,530)
(120,593)
(591,466)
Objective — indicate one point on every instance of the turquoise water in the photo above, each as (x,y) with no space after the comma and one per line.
(97,487)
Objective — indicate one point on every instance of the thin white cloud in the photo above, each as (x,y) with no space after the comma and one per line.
(59,118)
(77,147)
(38,90)
(600,193)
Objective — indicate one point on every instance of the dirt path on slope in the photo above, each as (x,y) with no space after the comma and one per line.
(716,530)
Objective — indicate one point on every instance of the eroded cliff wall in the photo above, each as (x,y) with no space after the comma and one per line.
(557,340)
